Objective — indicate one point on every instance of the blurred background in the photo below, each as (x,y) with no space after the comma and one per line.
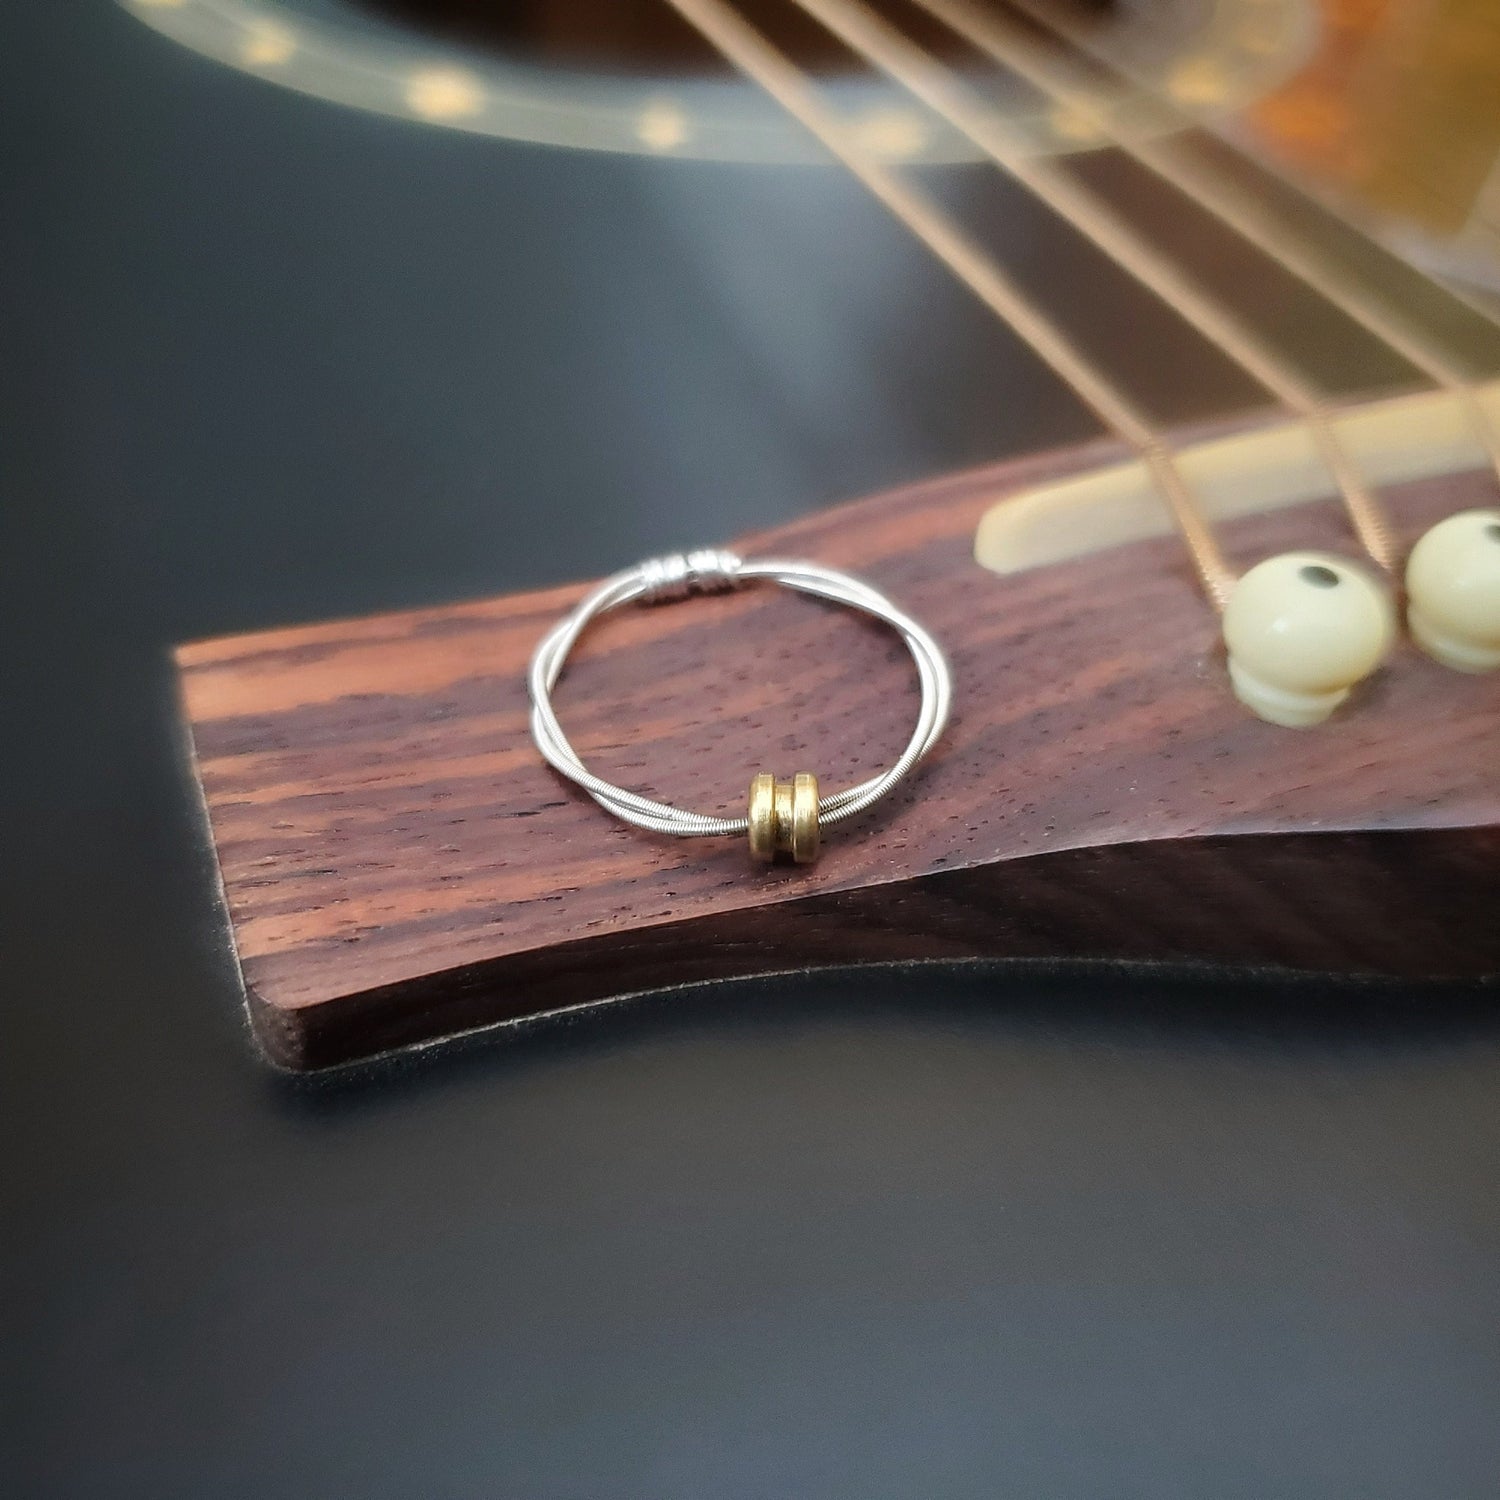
(480,299)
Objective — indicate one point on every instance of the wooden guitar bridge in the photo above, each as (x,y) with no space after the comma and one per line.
(399,865)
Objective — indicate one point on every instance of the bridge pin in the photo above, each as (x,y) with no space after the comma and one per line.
(1302,629)
(1453,591)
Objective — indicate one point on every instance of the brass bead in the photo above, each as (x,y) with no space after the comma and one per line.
(802,829)
(783,817)
(763,817)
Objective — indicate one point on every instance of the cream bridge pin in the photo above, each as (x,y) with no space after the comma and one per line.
(783,817)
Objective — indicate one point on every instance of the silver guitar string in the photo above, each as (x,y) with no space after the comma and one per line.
(710,571)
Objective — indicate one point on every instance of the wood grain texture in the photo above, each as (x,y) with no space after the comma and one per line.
(400,865)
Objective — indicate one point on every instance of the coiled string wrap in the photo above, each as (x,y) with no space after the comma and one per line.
(678,576)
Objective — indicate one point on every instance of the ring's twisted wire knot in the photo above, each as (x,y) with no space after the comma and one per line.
(708,570)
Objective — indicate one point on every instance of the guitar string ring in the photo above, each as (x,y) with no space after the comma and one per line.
(783,817)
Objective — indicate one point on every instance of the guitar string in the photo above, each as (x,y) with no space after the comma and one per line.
(873,38)
(1240,211)
(1051,18)
(746,49)
(1480,303)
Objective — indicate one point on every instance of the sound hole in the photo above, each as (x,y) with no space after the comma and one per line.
(643,36)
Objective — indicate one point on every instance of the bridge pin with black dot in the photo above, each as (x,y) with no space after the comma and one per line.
(1453,591)
(1302,630)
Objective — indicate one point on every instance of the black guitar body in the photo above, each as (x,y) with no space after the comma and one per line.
(906,1232)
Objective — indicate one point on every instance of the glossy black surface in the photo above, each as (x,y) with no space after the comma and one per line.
(896,1234)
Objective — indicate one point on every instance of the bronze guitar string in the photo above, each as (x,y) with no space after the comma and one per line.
(996,36)
(743,46)
(943,92)
(935,86)
(1055,20)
